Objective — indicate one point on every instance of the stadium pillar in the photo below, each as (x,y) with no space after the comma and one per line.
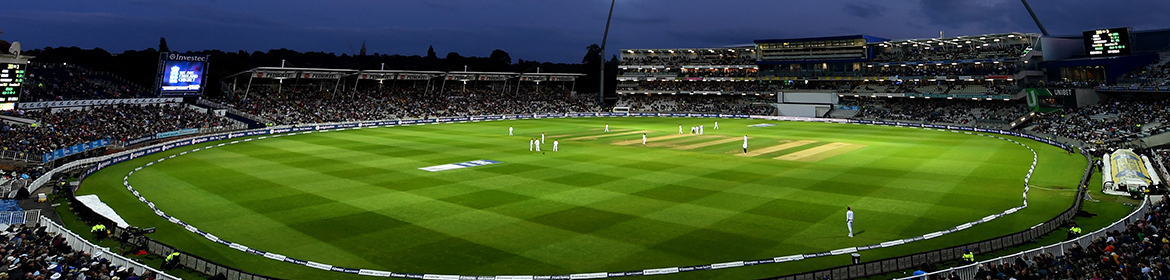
(604,37)
(248,88)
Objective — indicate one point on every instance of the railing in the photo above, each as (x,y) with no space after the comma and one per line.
(968,272)
(19,156)
(80,244)
(160,249)
(896,264)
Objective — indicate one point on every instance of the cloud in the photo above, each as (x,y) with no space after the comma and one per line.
(864,10)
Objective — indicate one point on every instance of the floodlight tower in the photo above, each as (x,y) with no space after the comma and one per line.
(601,86)
(1034,18)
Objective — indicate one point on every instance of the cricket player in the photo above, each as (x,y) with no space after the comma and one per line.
(716,125)
(606,127)
(745,144)
(680,129)
(700,129)
(537,142)
(531,143)
(555,144)
(643,139)
(509,130)
(849,219)
(542,137)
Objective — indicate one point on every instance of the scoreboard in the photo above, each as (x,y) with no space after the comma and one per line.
(1108,42)
(181,74)
(11,78)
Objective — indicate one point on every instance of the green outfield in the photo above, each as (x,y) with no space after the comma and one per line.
(604,202)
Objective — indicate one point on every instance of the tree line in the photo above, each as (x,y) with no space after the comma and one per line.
(140,66)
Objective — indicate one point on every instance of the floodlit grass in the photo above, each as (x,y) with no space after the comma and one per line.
(357,198)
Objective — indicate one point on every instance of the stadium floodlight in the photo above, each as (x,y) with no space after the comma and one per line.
(601,56)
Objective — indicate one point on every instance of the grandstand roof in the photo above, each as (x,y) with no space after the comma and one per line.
(746,48)
(867,38)
(962,40)
(290,73)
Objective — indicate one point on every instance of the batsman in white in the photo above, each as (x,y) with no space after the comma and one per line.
(509,131)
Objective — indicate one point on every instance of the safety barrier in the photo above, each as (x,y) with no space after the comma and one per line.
(1018,238)
(80,244)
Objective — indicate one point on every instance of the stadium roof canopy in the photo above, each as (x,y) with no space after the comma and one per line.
(281,73)
(976,40)
(748,48)
(867,38)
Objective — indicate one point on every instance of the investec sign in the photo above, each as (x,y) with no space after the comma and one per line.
(182,57)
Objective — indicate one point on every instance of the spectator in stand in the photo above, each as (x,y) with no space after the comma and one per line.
(32,253)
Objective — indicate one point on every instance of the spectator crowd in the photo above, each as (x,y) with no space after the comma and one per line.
(31,253)
(308,105)
(65,128)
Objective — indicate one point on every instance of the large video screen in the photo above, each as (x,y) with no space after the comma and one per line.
(7,106)
(181,74)
(1107,42)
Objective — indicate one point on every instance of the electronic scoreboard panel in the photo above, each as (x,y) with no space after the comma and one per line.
(1107,42)
(181,74)
(11,78)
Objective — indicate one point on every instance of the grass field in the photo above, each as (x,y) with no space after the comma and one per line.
(604,202)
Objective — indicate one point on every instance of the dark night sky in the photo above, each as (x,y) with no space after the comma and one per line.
(545,30)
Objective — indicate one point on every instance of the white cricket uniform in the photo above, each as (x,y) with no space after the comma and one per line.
(716,125)
(607,127)
(509,131)
(530,144)
(700,130)
(555,144)
(849,220)
(643,139)
(537,142)
(542,138)
(745,144)
(680,129)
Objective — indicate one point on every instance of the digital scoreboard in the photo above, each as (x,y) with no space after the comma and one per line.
(181,74)
(1107,42)
(11,79)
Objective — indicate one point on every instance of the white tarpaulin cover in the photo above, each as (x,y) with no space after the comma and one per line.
(101,208)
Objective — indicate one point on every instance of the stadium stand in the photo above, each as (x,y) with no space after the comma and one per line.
(308,105)
(64,128)
(33,253)
(1156,74)
(58,81)
(1141,251)
(750,105)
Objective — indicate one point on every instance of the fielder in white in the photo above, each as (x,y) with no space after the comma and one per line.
(680,129)
(716,125)
(745,144)
(700,129)
(537,142)
(606,127)
(542,137)
(849,219)
(509,131)
(531,143)
(643,139)
(555,144)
